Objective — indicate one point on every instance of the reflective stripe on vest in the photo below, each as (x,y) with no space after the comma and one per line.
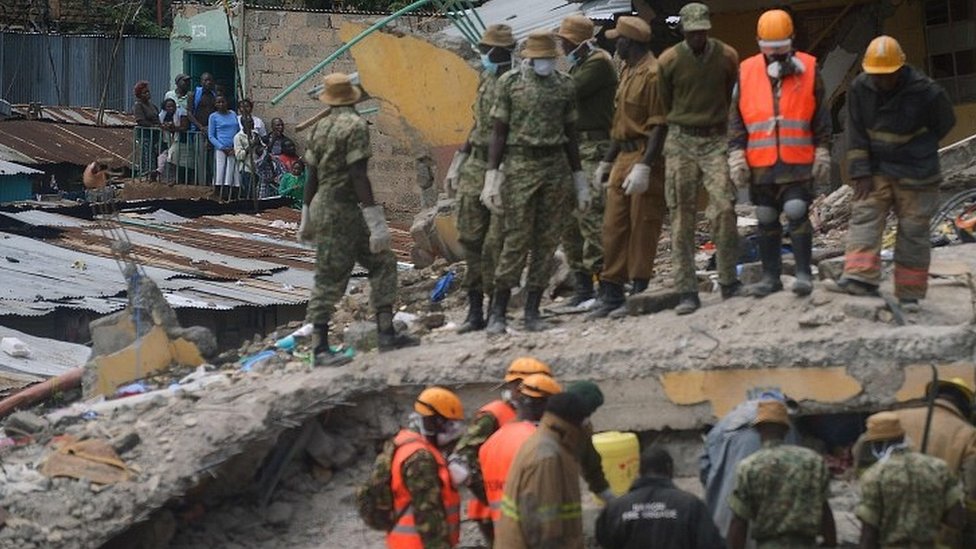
(404,534)
(774,135)
(496,456)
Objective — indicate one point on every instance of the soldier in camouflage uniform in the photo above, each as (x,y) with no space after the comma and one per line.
(466,176)
(695,81)
(341,217)
(780,495)
(595,79)
(906,495)
(534,133)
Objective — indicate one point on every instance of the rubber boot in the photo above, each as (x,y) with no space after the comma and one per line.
(324,355)
(497,323)
(476,314)
(583,283)
(802,256)
(772,266)
(638,285)
(689,303)
(532,318)
(387,337)
(613,298)
(736,289)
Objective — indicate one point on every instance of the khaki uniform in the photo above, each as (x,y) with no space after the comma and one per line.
(335,143)
(632,224)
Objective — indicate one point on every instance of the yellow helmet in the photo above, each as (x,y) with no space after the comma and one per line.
(439,401)
(956,383)
(883,56)
(526,366)
(775,29)
(539,386)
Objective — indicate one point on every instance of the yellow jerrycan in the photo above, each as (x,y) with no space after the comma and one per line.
(620,454)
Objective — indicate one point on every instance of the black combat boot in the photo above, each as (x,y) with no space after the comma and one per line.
(689,303)
(497,323)
(613,298)
(733,290)
(533,319)
(802,256)
(583,283)
(638,285)
(476,313)
(323,354)
(387,337)
(770,245)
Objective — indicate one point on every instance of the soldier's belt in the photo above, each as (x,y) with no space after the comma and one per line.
(594,135)
(701,131)
(535,152)
(632,145)
(479,153)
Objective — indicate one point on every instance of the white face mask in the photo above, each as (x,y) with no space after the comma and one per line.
(543,67)
(452,431)
(507,395)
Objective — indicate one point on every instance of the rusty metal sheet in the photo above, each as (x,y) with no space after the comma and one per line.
(55,143)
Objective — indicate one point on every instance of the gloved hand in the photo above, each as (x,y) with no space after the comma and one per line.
(821,166)
(583,198)
(739,168)
(602,174)
(458,469)
(863,187)
(607,496)
(379,234)
(454,171)
(637,180)
(305,234)
(491,194)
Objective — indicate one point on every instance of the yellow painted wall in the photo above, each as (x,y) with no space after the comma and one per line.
(431,88)
(917,376)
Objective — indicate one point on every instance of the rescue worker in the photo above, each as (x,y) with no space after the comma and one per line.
(896,117)
(463,463)
(695,81)
(425,500)
(340,215)
(780,494)
(595,80)
(541,506)
(591,464)
(496,454)
(905,495)
(779,146)
(466,176)
(952,438)
(656,513)
(535,135)
(635,196)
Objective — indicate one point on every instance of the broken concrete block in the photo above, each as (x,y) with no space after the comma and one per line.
(817,318)
(125,442)
(202,338)
(862,309)
(329,450)
(25,423)
(112,333)
(652,302)
(433,320)
(360,336)
(279,513)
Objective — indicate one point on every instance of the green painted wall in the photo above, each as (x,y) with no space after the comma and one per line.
(15,187)
(205,32)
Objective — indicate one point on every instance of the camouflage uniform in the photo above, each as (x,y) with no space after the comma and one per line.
(781,491)
(336,142)
(905,497)
(430,518)
(473,218)
(538,183)
(481,427)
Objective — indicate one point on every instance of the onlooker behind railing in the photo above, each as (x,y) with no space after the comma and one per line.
(247,147)
(175,153)
(288,156)
(147,140)
(246,107)
(276,137)
(221,129)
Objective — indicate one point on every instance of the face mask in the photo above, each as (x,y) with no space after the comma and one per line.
(415,422)
(507,395)
(488,64)
(572,58)
(543,67)
(784,65)
(451,432)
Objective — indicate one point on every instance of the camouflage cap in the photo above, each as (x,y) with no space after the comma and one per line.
(695,17)
(499,36)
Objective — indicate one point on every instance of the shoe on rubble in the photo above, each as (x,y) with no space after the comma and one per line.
(689,303)
(734,290)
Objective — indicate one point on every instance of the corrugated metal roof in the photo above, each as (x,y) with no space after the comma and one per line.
(12,155)
(57,143)
(10,168)
(40,218)
(526,16)
(48,358)
(85,116)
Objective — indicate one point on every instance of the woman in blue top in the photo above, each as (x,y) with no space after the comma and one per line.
(221,130)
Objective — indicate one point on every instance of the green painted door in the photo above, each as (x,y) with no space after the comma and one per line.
(220,65)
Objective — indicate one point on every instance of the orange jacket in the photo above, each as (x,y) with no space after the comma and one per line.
(503,413)
(496,456)
(404,535)
(781,131)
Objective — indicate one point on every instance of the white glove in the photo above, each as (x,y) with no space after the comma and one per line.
(582,191)
(821,166)
(602,172)
(637,180)
(379,234)
(739,168)
(454,171)
(458,470)
(491,194)
(305,235)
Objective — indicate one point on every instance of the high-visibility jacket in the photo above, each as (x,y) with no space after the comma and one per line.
(496,456)
(404,534)
(503,413)
(779,131)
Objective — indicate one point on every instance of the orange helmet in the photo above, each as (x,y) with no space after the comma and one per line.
(883,56)
(526,366)
(539,386)
(775,29)
(439,401)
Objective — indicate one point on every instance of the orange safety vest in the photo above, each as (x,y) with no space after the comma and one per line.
(785,135)
(496,456)
(503,413)
(404,535)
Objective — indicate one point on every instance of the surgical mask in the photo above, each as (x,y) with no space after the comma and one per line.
(783,65)
(488,64)
(452,431)
(543,67)
(507,395)
(884,454)
(572,58)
